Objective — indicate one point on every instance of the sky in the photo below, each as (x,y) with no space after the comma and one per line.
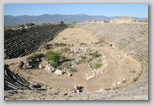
(131,10)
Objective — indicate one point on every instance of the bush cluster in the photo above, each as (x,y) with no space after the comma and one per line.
(71,69)
(54,58)
(60,44)
(97,65)
(35,59)
(95,54)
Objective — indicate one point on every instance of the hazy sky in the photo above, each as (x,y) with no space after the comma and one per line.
(135,10)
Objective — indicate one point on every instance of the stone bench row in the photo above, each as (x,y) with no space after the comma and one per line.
(13,81)
(23,42)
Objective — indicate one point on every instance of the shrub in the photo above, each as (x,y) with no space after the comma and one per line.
(101,40)
(63,44)
(53,56)
(95,54)
(35,56)
(63,57)
(60,44)
(81,61)
(61,22)
(82,44)
(66,49)
(71,69)
(83,57)
(97,65)
(46,46)
(67,65)
(35,59)
(29,24)
(34,64)
(54,64)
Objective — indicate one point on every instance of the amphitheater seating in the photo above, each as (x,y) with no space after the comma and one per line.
(25,41)
(13,81)
(126,36)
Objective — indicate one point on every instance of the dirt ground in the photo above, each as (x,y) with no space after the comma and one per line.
(119,71)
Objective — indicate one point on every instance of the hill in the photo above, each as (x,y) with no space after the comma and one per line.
(47,18)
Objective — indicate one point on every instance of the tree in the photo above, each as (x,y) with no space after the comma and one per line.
(29,24)
(61,22)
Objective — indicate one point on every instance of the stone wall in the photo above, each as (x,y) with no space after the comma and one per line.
(123,20)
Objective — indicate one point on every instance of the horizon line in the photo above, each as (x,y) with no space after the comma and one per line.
(73,14)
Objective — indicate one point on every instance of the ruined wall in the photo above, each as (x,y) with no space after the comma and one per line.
(123,20)
(25,41)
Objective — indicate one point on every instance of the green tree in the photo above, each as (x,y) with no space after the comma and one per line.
(61,22)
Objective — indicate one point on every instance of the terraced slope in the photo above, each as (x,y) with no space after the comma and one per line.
(131,37)
(25,41)
(13,81)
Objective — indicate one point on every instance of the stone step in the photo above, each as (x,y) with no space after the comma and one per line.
(13,81)
(28,39)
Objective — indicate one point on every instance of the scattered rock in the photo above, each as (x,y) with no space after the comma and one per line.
(78,88)
(119,82)
(114,84)
(69,74)
(77,91)
(40,66)
(111,44)
(90,77)
(27,65)
(102,90)
(49,68)
(123,80)
(59,72)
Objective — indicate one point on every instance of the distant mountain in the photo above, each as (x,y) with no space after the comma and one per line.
(46,18)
